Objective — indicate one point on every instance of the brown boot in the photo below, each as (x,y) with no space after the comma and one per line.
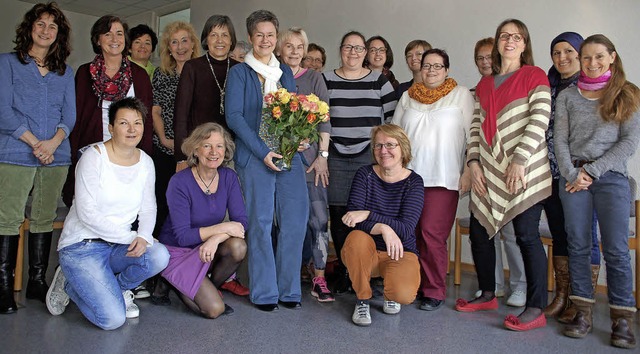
(622,327)
(582,323)
(569,313)
(559,303)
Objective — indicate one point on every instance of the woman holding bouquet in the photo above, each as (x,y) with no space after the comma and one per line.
(268,191)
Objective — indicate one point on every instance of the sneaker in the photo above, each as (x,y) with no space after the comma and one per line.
(132,309)
(361,315)
(430,304)
(57,299)
(517,298)
(390,307)
(320,290)
(498,293)
(141,292)
(234,287)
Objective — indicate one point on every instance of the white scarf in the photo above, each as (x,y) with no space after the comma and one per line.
(270,72)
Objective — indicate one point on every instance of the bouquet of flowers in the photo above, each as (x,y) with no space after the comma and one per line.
(293,118)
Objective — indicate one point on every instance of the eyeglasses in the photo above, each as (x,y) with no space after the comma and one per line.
(388,146)
(381,50)
(480,58)
(414,55)
(348,47)
(504,36)
(313,60)
(436,67)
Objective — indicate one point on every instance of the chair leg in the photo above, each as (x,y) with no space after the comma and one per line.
(457,258)
(17,280)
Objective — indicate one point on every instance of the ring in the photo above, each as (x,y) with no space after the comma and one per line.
(39,155)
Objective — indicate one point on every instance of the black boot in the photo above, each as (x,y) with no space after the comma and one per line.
(8,254)
(39,248)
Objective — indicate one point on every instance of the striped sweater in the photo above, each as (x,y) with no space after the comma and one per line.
(356,106)
(521,106)
(397,205)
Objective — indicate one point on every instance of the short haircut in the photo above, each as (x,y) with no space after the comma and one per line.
(439,52)
(102,26)
(261,16)
(60,49)
(202,133)
(387,63)
(218,21)
(284,36)
(316,47)
(395,132)
(131,103)
(139,31)
(244,45)
(417,43)
(489,41)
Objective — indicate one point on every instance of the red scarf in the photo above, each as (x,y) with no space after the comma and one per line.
(110,88)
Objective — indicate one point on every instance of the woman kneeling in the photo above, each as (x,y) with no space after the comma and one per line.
(384,207)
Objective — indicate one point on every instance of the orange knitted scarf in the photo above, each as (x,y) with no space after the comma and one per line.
(423,94)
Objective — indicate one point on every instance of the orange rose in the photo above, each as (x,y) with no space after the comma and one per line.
(276,112)
(311,118)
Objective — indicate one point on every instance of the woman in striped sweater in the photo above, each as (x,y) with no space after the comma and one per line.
(360,99)
(510,172)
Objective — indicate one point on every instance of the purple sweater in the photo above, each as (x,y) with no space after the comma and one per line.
(190,209)
(397,205)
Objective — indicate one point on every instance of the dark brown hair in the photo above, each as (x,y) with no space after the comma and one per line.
(482,43)
(387,63)
(59,51)
(316,47)
(526,58)
(102,26)
(218,21)
(439,52)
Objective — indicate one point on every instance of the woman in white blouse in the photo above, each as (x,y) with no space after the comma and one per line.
(101,256)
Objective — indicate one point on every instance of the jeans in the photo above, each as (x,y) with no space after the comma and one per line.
(97,272)
(610,196)
(526,226)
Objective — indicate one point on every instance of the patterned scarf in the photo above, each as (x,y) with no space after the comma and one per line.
(425,95)
(590,84)
(110,88)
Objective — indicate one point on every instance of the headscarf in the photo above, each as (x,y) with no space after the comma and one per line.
(572,38)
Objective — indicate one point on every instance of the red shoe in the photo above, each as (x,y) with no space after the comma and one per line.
(513,323)
(235,287)
(463,305)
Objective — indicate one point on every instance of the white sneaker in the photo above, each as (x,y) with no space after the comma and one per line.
(517,298)
(361,315)
(132,309)
(497,293)
(390,307)
(57,299)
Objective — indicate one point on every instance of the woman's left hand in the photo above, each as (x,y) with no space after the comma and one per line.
(208,249)
(137,248)
(465,181)
(321,167)
(44,149)
(515,174)
(304,145)
(581,183)
(351,218)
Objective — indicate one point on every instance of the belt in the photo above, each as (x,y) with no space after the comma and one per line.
(580,163)
(94,240)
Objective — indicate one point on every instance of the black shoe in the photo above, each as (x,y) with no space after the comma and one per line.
(343,285)
(228,310)
(294,305)
(39,249)
(8,253)
(267,307)
(160,295)
(431,304)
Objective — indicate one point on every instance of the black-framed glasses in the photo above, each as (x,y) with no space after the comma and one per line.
(348,48)
(388,146)
(481,58)
(381,50)
(436,67)
(504,36)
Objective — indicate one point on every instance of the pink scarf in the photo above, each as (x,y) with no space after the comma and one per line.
(593,84)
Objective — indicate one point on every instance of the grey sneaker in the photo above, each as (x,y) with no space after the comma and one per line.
(57,299)
(132,309)
(390,307)
(361,315)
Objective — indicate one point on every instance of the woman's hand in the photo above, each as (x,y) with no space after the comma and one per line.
(137,248)
(168,143)
(581,183)
(43,150)
(208,249)
(395,250)
(351,218)
(304,145)
(181,166)
(465,181)
(234,229)
(321,167)
(268,160)
(478,183)
(515,174)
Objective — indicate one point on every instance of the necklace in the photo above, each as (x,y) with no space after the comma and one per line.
(38,61)
(206,191)
(224,85)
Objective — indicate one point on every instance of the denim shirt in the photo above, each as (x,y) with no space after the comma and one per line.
(31,102)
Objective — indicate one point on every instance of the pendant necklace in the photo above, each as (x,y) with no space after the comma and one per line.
(224,85)
(206,191)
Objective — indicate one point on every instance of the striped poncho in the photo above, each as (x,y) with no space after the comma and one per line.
(509,125)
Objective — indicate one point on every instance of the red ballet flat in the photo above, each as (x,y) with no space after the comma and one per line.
(463,305)
(513,323)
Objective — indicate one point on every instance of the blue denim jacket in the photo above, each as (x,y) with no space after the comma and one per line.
(30,102)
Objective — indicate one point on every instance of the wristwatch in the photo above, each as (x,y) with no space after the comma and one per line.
(323,153)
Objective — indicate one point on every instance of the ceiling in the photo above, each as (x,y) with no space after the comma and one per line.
(122,8)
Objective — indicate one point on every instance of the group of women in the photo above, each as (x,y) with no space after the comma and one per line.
(530,142)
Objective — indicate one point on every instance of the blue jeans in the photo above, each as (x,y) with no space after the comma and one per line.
(97,273)
(610,196)
(274,275)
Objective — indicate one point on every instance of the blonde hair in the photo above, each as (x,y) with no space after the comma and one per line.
(167,62)
(395,132)
(284,36)
(202,133)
